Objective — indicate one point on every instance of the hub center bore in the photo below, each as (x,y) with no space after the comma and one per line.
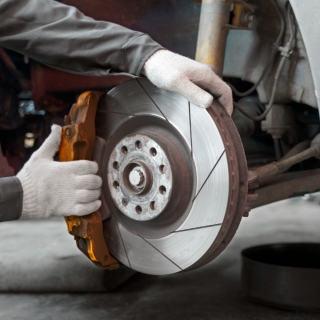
(140,177)
(136,177)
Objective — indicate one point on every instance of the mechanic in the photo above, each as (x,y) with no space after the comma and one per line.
(62,37)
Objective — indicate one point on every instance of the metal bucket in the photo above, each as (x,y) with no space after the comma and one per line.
(283,275)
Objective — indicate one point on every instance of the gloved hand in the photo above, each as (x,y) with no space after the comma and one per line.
(52,188)
(173,72)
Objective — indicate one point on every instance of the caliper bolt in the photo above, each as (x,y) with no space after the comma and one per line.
(68,132)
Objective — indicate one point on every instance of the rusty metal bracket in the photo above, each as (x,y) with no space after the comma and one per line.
(77,143)
(264,187)
(288,185)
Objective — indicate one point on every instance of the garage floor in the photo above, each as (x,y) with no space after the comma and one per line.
(39,256)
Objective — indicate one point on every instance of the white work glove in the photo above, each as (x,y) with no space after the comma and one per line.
(52,188)
(170,71)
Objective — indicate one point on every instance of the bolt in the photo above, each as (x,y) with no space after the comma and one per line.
(250,17)
(247,17)
(125,202)
(68,132)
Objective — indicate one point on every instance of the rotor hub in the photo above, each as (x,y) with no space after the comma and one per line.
(177,178)
(140,177)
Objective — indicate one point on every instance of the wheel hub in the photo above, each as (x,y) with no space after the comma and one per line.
(140,177)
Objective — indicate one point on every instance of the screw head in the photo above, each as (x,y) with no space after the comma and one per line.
(68,132)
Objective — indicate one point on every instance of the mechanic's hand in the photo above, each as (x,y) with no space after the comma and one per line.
(52,188)
(173,72)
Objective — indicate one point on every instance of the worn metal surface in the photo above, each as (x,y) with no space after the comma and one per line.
(265,173)
(275,168)
(283,275)
(77,143)
(288,185)
(199,216)
(140,178)
(213,32)
(267,185)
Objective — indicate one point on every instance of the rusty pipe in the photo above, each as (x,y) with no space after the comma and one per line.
(270,170)
(213,32)
(288,185)
(297,149)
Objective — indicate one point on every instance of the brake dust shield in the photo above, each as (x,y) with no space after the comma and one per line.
(175,178)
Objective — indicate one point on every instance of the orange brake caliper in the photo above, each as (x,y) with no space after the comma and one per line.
(77,143)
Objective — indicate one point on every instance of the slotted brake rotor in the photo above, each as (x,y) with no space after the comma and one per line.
(174,178)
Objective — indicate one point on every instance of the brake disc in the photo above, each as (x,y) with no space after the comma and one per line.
(175,178)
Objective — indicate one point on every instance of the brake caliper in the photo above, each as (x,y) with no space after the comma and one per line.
(77,143)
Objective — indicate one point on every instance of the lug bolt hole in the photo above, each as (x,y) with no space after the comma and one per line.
(116,165)
(124,150)
(153,205)
(138,209)
(116,184)
(138,144)
(162,168)
(153,152)
(162,189)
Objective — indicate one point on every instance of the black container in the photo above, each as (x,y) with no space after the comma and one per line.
(283,275)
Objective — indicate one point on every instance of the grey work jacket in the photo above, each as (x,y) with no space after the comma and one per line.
(62,37)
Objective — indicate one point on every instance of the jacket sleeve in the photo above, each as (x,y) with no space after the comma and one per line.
(61,37)
(10,199)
